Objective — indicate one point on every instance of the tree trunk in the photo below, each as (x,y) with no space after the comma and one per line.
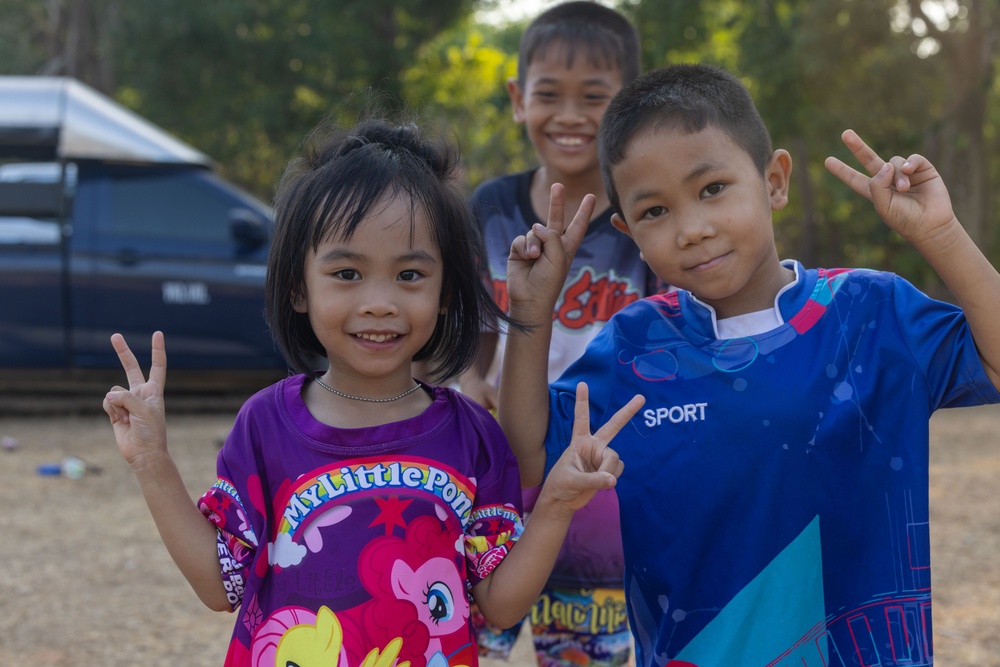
(959,149)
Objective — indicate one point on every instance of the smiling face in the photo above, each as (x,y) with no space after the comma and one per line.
(560,105)
(700,212)
(373,300)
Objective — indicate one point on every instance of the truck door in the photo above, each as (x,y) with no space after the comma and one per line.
(174,249)
(32,297)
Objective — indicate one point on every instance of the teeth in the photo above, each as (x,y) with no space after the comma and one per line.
(569,141)
(376,338)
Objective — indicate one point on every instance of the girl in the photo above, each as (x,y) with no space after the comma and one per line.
(356,507)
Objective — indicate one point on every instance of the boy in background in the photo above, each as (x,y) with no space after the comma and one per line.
(775,493)
(573,58)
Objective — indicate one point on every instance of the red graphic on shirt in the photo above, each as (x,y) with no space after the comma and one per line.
(391,513)
(586,301)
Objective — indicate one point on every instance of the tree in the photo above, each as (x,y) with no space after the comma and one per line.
(459,80)
(910,76)
(964,35)
(242,80)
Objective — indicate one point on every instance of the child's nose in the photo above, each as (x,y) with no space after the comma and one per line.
(569,111)
(379,302)
(694,230)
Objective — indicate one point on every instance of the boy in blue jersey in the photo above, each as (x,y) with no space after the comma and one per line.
(774,498)
(572,60)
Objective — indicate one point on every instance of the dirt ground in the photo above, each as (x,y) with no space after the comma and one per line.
(85,580)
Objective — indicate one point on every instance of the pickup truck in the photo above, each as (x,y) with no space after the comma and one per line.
(109,224)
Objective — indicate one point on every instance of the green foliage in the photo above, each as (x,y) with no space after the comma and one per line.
(461,78)
(815,68)
(245,80)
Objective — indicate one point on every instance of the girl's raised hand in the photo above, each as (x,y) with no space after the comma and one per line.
(589,464)
(539,261)
(908,193)
(137,413)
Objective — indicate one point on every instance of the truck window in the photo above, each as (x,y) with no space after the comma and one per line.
(31,191)
(168,208)
(28,231)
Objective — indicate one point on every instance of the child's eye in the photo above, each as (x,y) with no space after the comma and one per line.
(655,212)
(712,190)
(596,99)
(347,274)
(545,95)
(409,275)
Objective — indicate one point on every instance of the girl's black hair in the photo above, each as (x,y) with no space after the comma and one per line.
(343,176)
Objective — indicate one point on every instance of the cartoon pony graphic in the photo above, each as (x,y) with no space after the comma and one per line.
(298,637)
(417,589)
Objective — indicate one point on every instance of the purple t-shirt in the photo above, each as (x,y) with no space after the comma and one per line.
(336,542)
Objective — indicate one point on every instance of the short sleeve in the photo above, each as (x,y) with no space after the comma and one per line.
(495,522)
(940,340)
(236,542)
(238,526)
(597,368)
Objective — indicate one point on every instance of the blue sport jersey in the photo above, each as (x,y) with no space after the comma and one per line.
(774,503)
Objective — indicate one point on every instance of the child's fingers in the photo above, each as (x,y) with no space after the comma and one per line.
(611,463)
(520,248)
(158,368)
(863,152)
(132,371)
(581,411)
(610,429)
(887,181)
(851,177)
(112,405)
(901,176)
(557,208)
(578,226)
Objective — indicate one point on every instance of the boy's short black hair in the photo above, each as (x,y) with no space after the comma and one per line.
(344,176)
(607,38)
(689,97)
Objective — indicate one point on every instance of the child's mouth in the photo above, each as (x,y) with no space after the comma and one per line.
(377,337)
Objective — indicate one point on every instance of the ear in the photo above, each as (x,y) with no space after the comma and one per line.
(778,175)
(299,304)
(516,98)
(619,223)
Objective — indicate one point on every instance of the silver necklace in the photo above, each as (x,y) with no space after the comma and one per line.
(365,398)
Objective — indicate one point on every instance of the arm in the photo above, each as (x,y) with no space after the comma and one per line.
(536,271)
(912,199)
(587,466)
(139,422)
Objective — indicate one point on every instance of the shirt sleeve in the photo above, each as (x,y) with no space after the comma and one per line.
(597,368)
(940,340)
(238,526)
(495,522)
(236,542)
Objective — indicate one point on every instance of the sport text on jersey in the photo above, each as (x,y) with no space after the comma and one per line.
(675,414)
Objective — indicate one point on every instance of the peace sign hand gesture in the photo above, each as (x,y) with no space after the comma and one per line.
(589,464)
(908,193)
(137,413)
(539,261)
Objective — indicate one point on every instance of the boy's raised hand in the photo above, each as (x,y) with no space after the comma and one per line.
(908,193)
(137,413)
(588,464)
(539,261)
